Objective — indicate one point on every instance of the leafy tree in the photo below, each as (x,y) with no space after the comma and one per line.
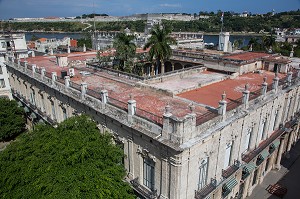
(159,44)
(237,43)
(34,38)
(12,120)
(71,161)
(125,48)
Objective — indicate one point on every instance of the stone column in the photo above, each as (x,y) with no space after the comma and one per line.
(25,65)
(69,50)
(275,82)
(289,78)
(246,186)
(246,95)
(43,72)
(162,69)
(222,106)
(280,152)
(166,122)
(173,67)
(33,69)
(298,74)
(104,96)
(84,48)
(51,51)
(19,63)
(264,87)
(289,144)
(83,87)
(164,178)
(67,82)
(54,76)
(131,108)
(152,70)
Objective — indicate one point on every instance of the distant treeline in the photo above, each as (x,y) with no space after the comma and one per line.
(232,23)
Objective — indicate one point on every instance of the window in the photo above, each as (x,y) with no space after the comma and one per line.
(246,145)
(2,83)
(43,102)
(274,120)
(203,173)
(53,110)
(149,166)
(287,109)
(261,129)
(64,113)
(32,97)
(227,157)
(3,45)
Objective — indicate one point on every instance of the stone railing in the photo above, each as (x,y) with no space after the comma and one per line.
(112,107)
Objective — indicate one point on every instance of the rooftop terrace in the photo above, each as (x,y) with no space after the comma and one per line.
(202,88)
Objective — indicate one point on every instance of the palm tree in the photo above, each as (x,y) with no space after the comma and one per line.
(159,44)
(125,48)
(268,42)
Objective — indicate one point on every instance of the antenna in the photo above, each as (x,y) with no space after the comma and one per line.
(222,19)
(94,17)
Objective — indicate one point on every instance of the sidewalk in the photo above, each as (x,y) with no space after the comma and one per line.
(288,176)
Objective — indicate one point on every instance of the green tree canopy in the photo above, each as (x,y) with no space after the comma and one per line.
(71,161)
(125,48)
(12,121)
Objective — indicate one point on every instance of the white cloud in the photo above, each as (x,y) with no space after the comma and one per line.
(170,5)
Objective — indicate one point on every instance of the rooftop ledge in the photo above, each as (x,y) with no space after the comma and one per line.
(161,116)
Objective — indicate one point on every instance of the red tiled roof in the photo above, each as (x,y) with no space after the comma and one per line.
(247,56)
(211,94)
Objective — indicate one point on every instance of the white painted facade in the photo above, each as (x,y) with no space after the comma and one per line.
(181,159)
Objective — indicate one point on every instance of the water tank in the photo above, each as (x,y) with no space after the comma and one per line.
(63,74)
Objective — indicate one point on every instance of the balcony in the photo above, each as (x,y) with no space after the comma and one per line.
(205,191)
(230,170)
(247,169)
(142,190)
(228,186)
(276,134)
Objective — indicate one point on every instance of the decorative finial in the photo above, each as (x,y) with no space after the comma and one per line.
(246,86)
(265,79)
(167,108)
(192,107)
(223,96)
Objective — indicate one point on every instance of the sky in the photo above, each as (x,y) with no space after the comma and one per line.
(68,8)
